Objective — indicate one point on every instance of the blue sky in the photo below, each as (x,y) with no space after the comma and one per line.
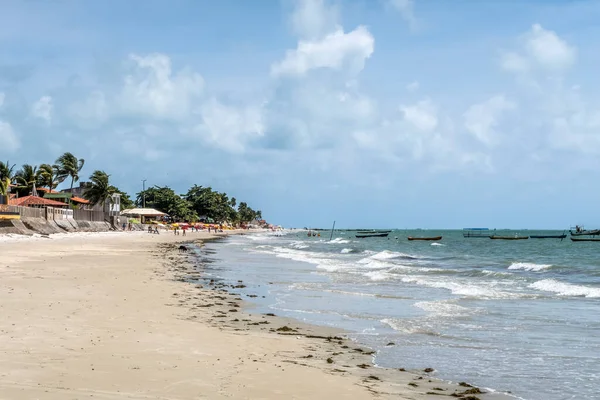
(385,113)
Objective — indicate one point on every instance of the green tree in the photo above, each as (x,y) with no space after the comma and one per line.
(48,176)
(69,166)
(246,214)
(166,200)
(26,178)
(99,190)
(7,177)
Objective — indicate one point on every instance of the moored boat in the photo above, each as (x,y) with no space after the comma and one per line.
(363,236)
(516,237)
(580,231)
(593,232)
(425,238)
(578,239)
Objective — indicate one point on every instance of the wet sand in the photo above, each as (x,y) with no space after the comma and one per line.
(128,316)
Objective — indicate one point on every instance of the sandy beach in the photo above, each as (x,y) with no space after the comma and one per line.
(115,316)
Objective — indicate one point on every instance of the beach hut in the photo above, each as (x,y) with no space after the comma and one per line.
(143,213)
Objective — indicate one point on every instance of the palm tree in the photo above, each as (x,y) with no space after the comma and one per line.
(48,176)
(26,178)
(99,191)
(69,166)
(6,177)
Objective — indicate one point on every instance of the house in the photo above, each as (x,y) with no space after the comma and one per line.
(112,207)
(68,199)
(36,201)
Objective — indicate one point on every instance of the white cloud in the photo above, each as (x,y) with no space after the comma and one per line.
(229,128)
(413,86)
(336,50)
(548,49)
(406,10)
(514,62)
(152,89)
(313,19)
(541,49)
(8,137)
(422,115)
(482,119)
(42,109)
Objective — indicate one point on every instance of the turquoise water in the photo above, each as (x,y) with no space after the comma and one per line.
(519,316)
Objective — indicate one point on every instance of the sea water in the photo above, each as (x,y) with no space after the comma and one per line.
(521,316)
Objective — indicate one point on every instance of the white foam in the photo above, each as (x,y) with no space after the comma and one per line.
(437,244)
(463,289)
(377,275)
(299,245)
(338,241)
(386,255)
(346,251)
(444,308)
(565,289)
(529,266)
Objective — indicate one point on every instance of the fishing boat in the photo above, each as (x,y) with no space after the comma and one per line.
(580,231)
(369,235)
(564,235)
(578,239)
(425,238)
(593,232)
(516,237)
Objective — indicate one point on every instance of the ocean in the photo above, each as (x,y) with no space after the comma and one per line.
(517,316)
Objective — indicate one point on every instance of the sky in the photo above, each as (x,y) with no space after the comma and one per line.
(372,113)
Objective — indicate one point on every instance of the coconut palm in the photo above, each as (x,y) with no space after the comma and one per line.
(99,191)
(26,178)
(6,177)
(69,166)
(49,176)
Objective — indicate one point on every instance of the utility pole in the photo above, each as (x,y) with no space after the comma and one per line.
(144,193)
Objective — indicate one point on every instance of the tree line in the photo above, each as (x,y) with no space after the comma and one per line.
(199,202)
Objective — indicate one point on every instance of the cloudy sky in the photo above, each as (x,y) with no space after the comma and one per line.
(385,113)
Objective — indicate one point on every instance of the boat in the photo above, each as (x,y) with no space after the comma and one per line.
(369,235)
(583,232)
(577,239)
(476,232)
(516,237)
(564,235)
(425,238)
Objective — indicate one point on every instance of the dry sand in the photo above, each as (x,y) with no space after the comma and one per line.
(114,316)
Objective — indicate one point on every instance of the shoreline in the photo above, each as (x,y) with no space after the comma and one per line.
(115,316)
(354,359)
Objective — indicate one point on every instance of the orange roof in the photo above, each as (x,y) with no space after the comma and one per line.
(79,200)
(35,201)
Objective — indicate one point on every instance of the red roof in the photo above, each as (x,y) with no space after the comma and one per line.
(35,201)
(79,200)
